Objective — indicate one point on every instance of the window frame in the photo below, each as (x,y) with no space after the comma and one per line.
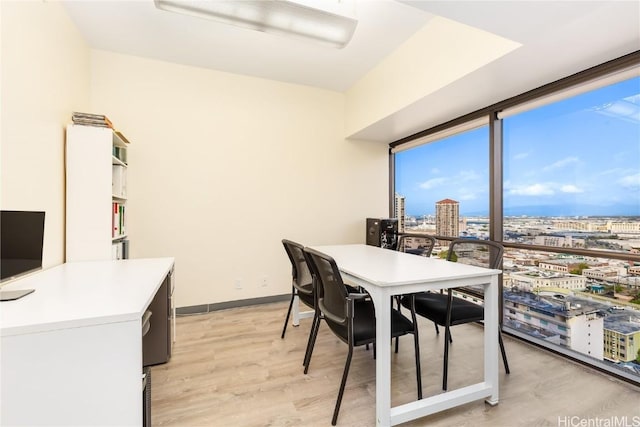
(494,114)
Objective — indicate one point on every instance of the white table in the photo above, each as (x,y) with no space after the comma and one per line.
(383,273)
(72,350)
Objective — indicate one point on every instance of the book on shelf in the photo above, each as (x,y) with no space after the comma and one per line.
(89,119)
(117,250)
(115,230)
(118,220)
(120,153)
(125,249)
(119,181)
(120,250)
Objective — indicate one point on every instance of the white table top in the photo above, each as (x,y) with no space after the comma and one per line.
(392,268)
(82,294)
(383,273)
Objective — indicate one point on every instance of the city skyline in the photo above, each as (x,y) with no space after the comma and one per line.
(576,157)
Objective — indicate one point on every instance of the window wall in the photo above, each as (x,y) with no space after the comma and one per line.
(556,179)
(446,179)
(574,166)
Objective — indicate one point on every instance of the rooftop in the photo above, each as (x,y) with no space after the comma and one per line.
(446,202)
(556,304)
(622,321)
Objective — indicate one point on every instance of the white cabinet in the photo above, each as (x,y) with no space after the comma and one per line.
(96,195)
(72,351)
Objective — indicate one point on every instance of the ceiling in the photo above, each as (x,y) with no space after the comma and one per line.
(136,27)
(558,38)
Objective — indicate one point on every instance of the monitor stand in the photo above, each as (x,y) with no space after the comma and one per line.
(14,295)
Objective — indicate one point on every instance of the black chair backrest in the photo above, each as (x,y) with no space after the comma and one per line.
(483,253)
(332,293)
(417,244)
(300,270)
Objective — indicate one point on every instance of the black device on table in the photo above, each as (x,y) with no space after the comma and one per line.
(21,242)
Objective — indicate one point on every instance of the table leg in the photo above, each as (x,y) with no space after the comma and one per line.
(297,314)
(296,311)
(383,359)
(491,328)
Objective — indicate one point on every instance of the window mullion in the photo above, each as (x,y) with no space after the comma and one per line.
(495,179)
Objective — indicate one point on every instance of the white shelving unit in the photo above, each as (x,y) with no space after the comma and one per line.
(96,185)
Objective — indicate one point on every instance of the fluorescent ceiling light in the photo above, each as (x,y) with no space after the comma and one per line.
(285,17)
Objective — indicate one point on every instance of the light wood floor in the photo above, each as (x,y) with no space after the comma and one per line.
(230,368)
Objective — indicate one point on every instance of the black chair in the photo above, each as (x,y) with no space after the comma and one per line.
(416,244)
(302,287)
(446,310)
(351,317)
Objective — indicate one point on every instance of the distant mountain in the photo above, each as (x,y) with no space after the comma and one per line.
(558,210)
(574,210)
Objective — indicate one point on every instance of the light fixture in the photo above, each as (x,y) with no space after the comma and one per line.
(331,25)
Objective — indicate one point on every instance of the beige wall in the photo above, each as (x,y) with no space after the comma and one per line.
(222,167)
(440,53)
(44,76)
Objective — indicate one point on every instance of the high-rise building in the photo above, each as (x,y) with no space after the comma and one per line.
(399,212)
(447,218)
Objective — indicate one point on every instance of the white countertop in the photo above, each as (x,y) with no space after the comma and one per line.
(83,293)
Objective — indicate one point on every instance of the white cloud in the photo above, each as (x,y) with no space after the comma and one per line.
(631,182)
(467,175)
(570,188)
(461,179)
(561,163)
(609,172)
(435,171)
(532,190)
(541,189)
(432,183)
(521,156)
(465,194)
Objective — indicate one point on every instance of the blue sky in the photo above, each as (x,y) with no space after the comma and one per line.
(580,156)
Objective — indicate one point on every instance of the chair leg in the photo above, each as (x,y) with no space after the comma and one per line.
(311,341)
(310,344)
(286,320)
(437,330)
(416,342)
(445,368)
(397,340)
(504,354)
(306,351)
(446,357)
(342,385)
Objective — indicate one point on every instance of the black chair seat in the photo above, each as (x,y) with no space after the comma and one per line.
(364,324)
(433,306)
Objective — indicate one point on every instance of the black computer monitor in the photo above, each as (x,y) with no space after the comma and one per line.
(21,241)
